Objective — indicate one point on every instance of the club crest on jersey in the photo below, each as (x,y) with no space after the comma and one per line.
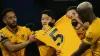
(90,32)
(89,39)
(23,35)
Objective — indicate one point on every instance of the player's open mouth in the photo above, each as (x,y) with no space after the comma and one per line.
(74,20)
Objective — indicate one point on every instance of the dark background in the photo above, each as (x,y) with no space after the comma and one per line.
(29,11)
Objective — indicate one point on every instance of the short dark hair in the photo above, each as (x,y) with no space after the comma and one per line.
(6,11)
(49,13)
(71,7)
(31,26)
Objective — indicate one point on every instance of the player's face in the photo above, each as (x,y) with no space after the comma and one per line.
(72,14)
(45,19)
(10,19)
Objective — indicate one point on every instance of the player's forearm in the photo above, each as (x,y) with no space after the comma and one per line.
(12,47)
(16,47)
(83,47)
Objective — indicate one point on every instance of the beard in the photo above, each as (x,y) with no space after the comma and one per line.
(13,25)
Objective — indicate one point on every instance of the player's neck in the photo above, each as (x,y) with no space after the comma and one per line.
(92,18)
(13,30)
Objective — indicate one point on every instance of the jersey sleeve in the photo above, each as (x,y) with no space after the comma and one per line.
(91,37)
(3,39)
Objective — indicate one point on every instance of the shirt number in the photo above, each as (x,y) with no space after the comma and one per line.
(57,36)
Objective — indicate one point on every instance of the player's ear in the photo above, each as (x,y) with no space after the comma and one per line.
(4,20)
